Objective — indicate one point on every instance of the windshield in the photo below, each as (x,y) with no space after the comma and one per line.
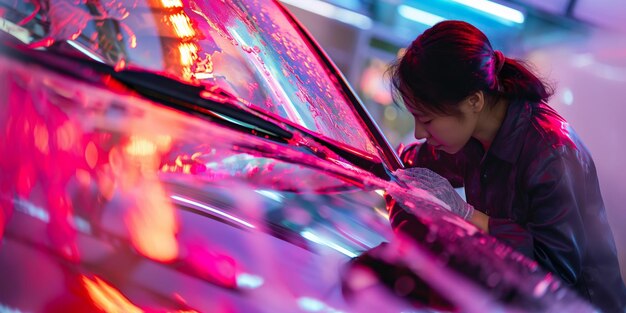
(181,148)
(251,50)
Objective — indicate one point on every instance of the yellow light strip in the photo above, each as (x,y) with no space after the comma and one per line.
(169,4)
(182,25)
(188,53)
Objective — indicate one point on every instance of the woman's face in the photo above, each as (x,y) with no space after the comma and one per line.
(448,133)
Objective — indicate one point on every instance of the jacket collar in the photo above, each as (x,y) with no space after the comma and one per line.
(508,142)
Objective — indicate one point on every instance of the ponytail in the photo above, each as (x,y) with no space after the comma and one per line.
(517,81)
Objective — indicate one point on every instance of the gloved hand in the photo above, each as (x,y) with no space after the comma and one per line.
(438,186)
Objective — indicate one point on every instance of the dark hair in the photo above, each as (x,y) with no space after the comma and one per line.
(454,59)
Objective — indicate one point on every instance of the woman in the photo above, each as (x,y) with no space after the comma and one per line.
(528,178)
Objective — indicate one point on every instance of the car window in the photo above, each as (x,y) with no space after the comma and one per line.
(248,49)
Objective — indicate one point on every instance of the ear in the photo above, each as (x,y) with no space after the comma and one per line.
(476,101)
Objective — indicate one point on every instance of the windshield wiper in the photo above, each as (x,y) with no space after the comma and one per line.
(188,98)
(227,108)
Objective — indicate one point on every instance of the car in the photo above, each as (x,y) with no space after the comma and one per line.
(207,156)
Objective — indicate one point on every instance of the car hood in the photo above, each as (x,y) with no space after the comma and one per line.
(110,191)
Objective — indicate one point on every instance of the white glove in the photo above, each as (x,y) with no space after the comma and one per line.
(438,186)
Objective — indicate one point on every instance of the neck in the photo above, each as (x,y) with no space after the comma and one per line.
(489,122)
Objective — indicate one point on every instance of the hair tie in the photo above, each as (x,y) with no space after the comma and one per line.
(500,60)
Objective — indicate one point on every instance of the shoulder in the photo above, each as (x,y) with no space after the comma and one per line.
(550,132)
(551,142)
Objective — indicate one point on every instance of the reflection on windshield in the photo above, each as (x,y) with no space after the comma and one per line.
(247,48)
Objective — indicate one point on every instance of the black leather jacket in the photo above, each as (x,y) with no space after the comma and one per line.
(538,184)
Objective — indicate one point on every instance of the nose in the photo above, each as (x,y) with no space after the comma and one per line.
(420,132)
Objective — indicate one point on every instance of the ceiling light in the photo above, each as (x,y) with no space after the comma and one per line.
(419,16)
(495,9)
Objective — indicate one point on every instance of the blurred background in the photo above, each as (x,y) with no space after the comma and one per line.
(577,45)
